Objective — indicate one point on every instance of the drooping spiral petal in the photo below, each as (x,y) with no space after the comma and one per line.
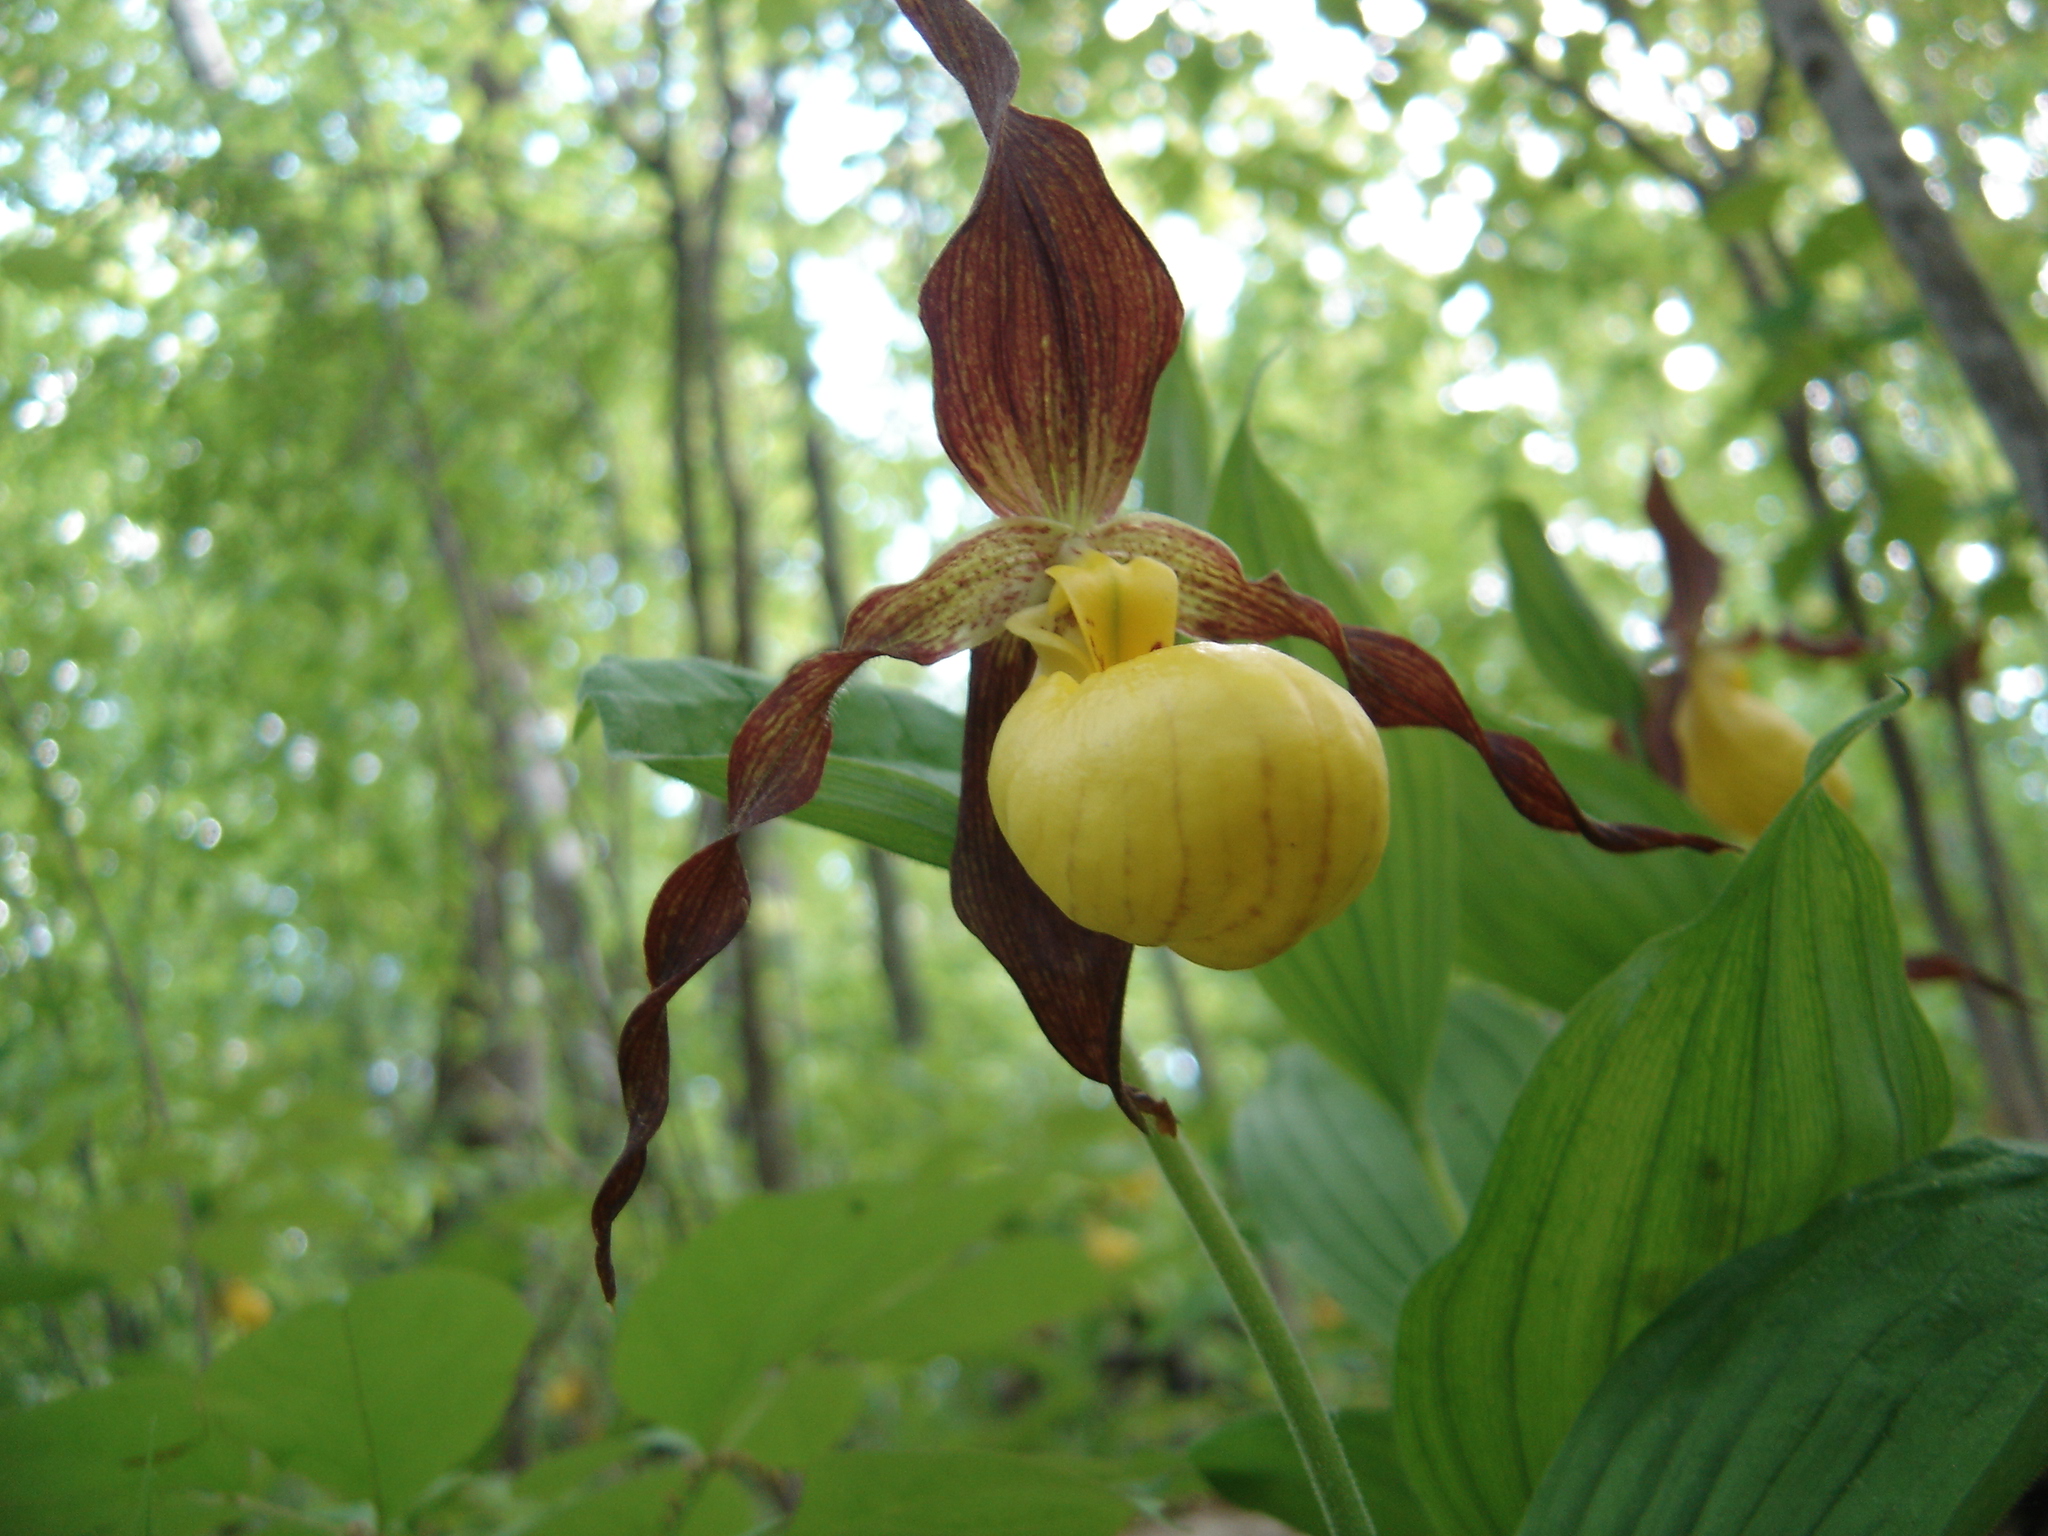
(1071,977)
(776,765)
(1395,681)
(1050,315)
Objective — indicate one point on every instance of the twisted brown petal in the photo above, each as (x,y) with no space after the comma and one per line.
(777,762)
(1050,315)
(1694,573)
(1395,681)
(1072,977)
(1694,570)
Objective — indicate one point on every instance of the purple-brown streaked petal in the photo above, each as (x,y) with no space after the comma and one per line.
(1217,600)
(1050,315)
(1693,570)
(1072,977)
(777,761)
(1395,681)
(962,597)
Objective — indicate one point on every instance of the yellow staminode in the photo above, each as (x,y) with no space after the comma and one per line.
(1222,800)
(1743,756)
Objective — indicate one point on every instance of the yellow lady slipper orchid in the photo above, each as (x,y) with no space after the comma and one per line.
(1215,796)
(1743,756)
(1222,800)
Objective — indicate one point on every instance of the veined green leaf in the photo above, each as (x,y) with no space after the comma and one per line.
(1713,1092)
(116,1461)
(375,1396)
(893,778)
(1178,466)
(1882,1369)
(1331,1173)
(773,1279)
(1567,640)
(1548,915)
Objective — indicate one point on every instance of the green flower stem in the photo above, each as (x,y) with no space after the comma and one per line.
(1314,1436)
(1430,1153)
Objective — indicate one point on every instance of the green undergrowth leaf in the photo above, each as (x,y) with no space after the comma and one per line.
(893,778)
(954,1493)
(24,1282)
(118,1461)
(1331,1173)
(1253,1463)
(1549,915)
(1715,1091)
(1883,1370)
(1570,644)
(375,1396)
(876,1272)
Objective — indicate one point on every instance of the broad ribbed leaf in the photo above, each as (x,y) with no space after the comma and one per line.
(1331,1173)
(1882,1370)
(1368,989)
(1715,1091)
(1178,467)
(1550,916)
(892,779)
(1570,643)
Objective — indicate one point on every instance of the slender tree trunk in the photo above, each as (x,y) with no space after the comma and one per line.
(1923,238)
(156,1107)
(892,941)
(767,1118)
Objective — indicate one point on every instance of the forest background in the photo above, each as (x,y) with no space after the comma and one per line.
(373,370)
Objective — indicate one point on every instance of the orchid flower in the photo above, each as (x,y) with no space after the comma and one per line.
(1733,753)
(1051,318)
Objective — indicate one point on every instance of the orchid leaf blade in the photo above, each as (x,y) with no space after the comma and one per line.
(1257,514)
(1569,643)
(1727,1081)
(1179,467)
(1881,1368)
(892,779)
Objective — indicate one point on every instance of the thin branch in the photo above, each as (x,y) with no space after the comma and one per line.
(155,1102)
(1529,64)
(1923,238)
(199,40)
